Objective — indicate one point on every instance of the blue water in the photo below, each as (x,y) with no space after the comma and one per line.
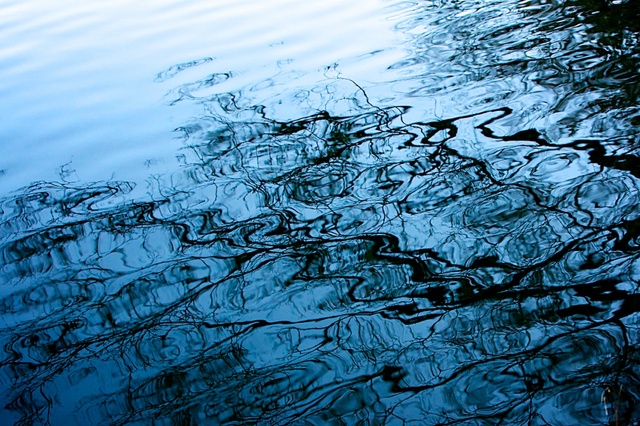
(285,213)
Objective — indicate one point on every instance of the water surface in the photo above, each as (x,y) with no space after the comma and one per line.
(383,213)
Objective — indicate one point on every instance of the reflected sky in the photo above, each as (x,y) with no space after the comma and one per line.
(77,81)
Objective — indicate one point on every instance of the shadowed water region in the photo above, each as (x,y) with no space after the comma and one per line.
(455,245)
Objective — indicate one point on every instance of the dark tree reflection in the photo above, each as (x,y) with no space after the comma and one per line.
(347,265)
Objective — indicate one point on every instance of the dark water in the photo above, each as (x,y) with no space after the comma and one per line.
(441,231)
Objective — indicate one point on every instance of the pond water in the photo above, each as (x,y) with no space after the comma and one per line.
(389,212)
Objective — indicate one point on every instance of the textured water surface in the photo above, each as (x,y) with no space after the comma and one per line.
(281,213)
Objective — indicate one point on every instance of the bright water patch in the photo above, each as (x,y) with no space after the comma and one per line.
(396,213)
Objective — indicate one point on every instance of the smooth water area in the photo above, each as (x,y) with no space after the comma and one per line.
(378,212)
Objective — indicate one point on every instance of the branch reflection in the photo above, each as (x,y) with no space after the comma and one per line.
(347,265)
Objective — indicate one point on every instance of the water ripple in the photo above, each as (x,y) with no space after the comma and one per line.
(322,256)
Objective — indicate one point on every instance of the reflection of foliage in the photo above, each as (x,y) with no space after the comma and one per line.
(341,266)
(291,272)
(569,66)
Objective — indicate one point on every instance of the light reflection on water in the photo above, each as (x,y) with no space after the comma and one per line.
(450,240)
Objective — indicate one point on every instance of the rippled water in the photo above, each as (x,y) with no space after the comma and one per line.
(282,213)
